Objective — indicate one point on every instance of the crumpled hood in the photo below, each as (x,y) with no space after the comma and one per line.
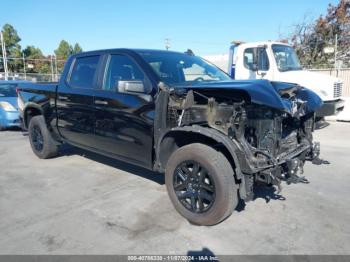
(313,101)
(264,92)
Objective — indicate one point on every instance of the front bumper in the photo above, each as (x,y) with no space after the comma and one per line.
(10,119)
(330,108)
(252,165)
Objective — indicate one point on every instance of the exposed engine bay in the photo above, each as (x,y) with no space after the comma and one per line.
(272,145)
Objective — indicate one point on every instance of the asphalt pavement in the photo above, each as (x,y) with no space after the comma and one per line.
(82,203)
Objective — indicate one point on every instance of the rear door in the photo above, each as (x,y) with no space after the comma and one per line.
(75,102)
(124,120)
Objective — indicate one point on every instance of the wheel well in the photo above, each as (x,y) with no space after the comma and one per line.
(177,139)
(29,113)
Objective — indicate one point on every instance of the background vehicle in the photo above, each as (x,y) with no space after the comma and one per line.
(276,61)
(9,114)
(175,113)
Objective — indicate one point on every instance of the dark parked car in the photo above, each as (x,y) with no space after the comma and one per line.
(175,113)
(9,114)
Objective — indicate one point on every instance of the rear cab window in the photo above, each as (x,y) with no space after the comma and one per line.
(83,72)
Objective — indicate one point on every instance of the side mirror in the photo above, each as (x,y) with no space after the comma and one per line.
(131,86)
(256,58)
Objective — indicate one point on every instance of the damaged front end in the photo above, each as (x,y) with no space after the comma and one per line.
(269,124)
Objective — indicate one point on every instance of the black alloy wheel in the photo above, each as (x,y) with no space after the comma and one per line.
(194,186)
(41,141)
(201,184)
(37,139)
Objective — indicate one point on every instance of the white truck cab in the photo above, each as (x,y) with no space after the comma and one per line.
(278,61)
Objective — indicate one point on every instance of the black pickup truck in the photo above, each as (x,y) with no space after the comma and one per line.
(175,113)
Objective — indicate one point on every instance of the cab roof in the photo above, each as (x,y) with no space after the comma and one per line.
(128,50)
(260,43)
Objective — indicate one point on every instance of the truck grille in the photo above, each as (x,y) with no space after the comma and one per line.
(338,88)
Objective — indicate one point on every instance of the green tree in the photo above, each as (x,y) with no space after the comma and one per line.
(310,38)
(33,52)
(77,49)
(13,49)
(64,50)
(35,62)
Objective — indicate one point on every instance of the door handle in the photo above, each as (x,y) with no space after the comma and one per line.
(66,98)
(101,102)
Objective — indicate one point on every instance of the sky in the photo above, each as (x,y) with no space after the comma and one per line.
(205,26)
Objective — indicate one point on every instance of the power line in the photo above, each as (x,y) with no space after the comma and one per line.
(35,59)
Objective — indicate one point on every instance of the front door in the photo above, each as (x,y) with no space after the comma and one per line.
(124,121)
(248,68)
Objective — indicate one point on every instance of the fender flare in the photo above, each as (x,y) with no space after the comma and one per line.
(221,138)
(27,107)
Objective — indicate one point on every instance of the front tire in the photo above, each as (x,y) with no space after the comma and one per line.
(40,138)
(201,184)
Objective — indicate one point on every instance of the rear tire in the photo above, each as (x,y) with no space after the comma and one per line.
(40,138)
(201,184)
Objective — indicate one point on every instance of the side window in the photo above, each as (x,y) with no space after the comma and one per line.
(120,68)
(83,72)
(249,59)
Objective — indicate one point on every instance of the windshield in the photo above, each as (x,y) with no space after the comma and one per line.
(286,58)
(177,68)
(7,90)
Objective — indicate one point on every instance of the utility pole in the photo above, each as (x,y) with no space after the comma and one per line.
(24,67)
(4,56)
(52,76)
(56,72)
(335,51)
(167,43)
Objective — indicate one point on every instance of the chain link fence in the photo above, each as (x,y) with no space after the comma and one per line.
(32,69)
(33,77)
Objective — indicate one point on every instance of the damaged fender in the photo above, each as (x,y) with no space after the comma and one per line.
(219,137)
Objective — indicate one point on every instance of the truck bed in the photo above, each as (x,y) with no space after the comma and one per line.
(43,95)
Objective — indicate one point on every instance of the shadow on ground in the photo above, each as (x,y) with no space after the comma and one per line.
(202,255)
(67,150)
(265,192)
(11,129)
